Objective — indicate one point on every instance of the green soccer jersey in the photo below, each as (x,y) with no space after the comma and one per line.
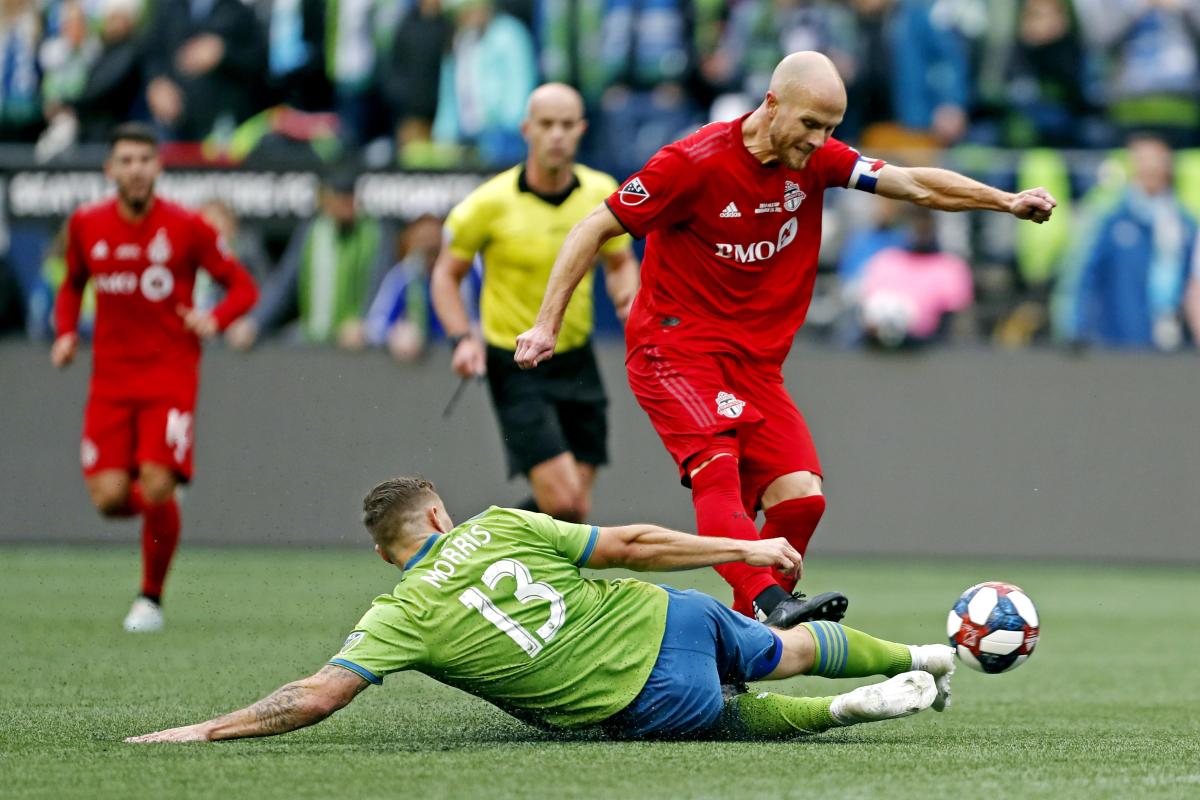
(497,607)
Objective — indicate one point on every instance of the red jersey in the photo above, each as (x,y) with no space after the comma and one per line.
(144,272)
(731,243)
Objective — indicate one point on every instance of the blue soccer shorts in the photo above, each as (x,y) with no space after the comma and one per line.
(705,644)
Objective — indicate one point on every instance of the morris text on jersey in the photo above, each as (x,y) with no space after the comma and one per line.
(456,552)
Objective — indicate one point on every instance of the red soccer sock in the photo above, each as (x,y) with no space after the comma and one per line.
(160,535)
(795,520)
(716,494)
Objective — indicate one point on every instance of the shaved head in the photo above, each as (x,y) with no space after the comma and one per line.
(557,98)
(808,72)
(552,128)
(805,102)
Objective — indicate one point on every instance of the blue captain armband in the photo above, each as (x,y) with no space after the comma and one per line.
(865,174)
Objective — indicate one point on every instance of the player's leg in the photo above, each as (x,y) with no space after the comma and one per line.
(573,383)
(717,498)
(562,487)
(682,695)
(558,490)
(164,454)
(106,456)
(782,475)
(109,492)
(766,715)
(699,422)
(534,442)
(828,649)
(793,505)
(160,526)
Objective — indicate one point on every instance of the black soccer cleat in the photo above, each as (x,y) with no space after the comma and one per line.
(799,608)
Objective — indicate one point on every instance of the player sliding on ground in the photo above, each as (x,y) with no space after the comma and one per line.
(732,221)
(496,606)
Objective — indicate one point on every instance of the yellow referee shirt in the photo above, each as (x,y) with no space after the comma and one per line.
(519,234)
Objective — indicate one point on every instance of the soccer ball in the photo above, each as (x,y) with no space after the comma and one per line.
(993,627)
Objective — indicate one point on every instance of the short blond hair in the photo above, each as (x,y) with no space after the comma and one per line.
(393,504)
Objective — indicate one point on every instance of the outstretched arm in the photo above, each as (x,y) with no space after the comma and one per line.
(577,256)
(945,190)
(649,548)
(296,705)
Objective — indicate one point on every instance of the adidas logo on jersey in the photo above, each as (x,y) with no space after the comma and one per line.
(730,211)
(99,250)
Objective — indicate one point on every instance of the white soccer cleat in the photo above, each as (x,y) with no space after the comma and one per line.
(905,694)
(938,661)
(145,616)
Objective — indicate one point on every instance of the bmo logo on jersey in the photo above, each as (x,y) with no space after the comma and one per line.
(116,283)
(156,283)
(759,251)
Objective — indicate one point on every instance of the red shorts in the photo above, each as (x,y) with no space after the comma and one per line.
(692,397)
(121,434)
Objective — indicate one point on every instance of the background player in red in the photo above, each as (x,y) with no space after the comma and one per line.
(142,253)
(732,221)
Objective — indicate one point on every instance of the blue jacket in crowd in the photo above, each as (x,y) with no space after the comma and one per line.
(1133,272)
(929,62)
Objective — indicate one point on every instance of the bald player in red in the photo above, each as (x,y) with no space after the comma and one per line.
(141,253)
(732,221)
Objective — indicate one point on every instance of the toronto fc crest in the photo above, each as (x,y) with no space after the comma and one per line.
(729,406)
(792,196)
(159,249)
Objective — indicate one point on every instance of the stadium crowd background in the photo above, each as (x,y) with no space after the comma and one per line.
(1098,100)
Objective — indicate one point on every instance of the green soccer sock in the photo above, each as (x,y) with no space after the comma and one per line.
(764,715)
(846,653)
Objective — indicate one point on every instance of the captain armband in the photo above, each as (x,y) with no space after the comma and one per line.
(865,174)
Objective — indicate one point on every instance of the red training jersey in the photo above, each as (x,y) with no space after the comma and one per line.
(731,243)
(144,273)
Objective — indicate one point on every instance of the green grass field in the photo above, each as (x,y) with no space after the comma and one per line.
(1109,706)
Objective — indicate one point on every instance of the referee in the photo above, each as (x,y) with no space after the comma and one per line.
(552,419)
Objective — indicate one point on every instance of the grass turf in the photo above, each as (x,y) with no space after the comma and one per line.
(1107,706)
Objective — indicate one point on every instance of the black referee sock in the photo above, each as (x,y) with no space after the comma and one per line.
(769,598)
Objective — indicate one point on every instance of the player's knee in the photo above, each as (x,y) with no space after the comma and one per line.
(792,486)
(722,446)
(565,502)
(583,508)
(157,485)
(567,508)
(111,500)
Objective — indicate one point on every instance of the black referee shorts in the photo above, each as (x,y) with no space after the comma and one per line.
(558,407)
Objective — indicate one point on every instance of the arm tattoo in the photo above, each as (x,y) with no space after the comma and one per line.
(285,709)
(281,711)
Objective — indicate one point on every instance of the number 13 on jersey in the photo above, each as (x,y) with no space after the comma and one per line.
(526,589)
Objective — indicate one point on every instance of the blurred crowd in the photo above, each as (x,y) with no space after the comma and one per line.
(432,82)
(443,83)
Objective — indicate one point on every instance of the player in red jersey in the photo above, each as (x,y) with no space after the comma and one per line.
(732,221)
(141,252)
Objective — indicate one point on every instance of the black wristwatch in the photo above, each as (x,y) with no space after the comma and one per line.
(455,341)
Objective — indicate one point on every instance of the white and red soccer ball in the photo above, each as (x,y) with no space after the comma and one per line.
(993,627)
